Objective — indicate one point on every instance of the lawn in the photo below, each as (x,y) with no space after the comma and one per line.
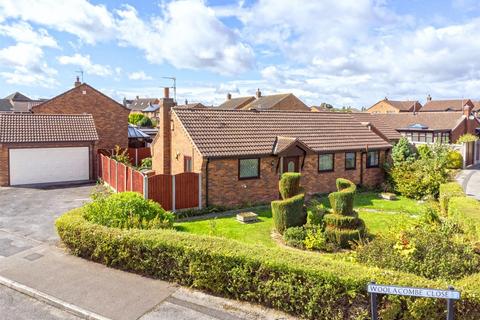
(387,214)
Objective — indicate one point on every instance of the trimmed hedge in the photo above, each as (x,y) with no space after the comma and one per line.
(288,213)
(466,212)
(447,191)
(309,285)
(289,184)
(342,200)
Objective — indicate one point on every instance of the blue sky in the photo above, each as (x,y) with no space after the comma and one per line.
(349,52)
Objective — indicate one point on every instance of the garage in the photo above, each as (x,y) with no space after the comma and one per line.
(46,149)
(51,165)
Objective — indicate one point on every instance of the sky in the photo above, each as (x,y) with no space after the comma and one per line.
(346,53)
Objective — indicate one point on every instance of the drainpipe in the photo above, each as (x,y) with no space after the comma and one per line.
(206,183)
(361,167)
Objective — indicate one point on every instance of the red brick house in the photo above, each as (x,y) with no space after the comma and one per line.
(241,153)
(283,101)
(46,148)
(111,117)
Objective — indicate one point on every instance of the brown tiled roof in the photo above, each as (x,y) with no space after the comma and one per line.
(236,103)
(266,102)
(389,132)
(27,127)
(17,96)
(388,124)
(142,103)
(446,105)
(225,133)
(192,105)
(405,105)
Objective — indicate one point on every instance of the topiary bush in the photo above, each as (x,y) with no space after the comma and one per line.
(288,213)
(295,237)
(343,225)
(127,210)
(289,184)
(448,191)
(315,213)
(454,160)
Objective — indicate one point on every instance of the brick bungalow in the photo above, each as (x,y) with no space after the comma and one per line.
(283,101)
(46,148)
(394,106)
(241,153)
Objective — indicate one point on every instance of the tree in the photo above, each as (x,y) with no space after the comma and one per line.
(145,122)
(403,151)
(134,118)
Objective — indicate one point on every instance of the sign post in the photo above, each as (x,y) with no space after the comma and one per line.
(450,295)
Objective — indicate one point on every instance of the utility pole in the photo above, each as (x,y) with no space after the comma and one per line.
(174,79)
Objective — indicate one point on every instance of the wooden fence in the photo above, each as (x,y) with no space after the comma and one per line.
(138,154)
(172,192)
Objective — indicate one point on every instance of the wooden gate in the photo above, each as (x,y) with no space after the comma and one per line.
(186,190)
(470,153)
(160,190)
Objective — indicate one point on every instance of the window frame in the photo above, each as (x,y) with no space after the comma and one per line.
(354,162)
(187,159)
(378,159)
(252,177)
(333,161)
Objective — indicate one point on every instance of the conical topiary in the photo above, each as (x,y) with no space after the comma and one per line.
(343,225)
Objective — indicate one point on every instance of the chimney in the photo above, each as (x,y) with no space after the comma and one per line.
(259,93)
(429,98)
(165,131)
(386,99)
(229,96)
(77,82)
(166,92)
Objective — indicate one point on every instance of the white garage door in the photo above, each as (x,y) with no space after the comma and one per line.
(48,165)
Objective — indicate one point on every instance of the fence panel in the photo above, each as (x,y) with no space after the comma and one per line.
(104,164)
(137,182)
(160,190)
(143,153)
(113,174)
(186,190)
(129,179)
(121,177)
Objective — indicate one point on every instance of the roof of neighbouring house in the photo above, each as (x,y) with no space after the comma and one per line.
(476,105)
(269,102)
(135,133)
(17,96)
(142,103)
(445,105)
(151,108)
(224,133)
(5,105)
(402,105)
(192,105)
(390,124)
(236,103)
(27,127)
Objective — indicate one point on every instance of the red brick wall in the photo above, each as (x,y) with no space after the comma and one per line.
(291,103)
(224,187)
(4,158)
(111,118)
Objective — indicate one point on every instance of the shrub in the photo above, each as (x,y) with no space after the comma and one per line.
(342,200)
(466,212)
(288,213)
(300,283)
(454,160)
(315,239)
(145,122)
(403,151)
(121,156)
(315,212)
(467,137)
(134,118)
(447,191)
(127,210)
(432,252)
(424,151)
(289,184)
(295,237)
(146,164)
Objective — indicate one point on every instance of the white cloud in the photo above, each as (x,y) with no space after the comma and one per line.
(89,22)
(86,64)
(187,35)
(24,33)
(139,75)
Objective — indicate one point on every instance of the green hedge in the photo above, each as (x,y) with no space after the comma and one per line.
(289,184)
(447,191)
(466,212)
(288,213)
(341,201)
(309,285)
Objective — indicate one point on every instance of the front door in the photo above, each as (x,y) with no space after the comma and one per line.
(290,164)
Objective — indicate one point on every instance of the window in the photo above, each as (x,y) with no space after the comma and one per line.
(350,160)
(429,137)
(325,162)
(248,168)
(187,164)
(373,159)
(422,137)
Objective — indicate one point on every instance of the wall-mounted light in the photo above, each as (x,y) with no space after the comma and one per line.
(177,155)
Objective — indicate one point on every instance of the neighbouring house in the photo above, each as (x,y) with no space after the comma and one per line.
(151,112)
(447,105)
(241,153)
(111,117)
(46,148)
(139,104)
(284,101)
(422,127)
(394,106)
(192,105)
(18,102)
(137,138)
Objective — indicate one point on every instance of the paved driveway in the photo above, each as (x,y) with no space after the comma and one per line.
(31,212)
